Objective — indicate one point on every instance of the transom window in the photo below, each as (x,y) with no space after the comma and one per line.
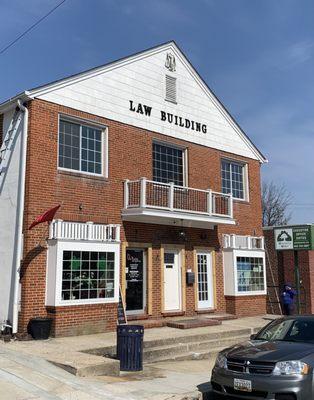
(80,147)
(168,165)
(250,274)
(232,175)
(87,275)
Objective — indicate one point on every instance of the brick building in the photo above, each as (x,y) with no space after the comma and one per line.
(156,182)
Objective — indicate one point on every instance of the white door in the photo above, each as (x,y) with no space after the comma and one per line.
(205,280)
(172,281)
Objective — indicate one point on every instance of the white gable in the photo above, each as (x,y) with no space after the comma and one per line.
(107,92)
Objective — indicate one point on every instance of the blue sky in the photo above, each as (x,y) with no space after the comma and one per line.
(257,56)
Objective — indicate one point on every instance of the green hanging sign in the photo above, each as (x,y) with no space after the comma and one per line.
(294,237)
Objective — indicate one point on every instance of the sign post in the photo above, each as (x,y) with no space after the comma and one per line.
(295,238)
(121,317)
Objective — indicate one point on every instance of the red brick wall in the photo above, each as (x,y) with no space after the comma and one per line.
(246,305)
(100,200)
(82,320)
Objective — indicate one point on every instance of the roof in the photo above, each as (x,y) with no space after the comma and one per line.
(269,228)
(32,93)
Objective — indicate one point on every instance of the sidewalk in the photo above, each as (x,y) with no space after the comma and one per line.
(24,368)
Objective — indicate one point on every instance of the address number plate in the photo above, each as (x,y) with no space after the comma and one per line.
(243,385)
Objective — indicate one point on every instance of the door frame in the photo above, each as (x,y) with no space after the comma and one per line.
(211,252)
(182,284)
(145,263)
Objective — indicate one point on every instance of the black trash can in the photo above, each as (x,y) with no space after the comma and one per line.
(130,347)
(39,328)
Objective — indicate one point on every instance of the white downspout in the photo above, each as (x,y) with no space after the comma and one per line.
(20,217)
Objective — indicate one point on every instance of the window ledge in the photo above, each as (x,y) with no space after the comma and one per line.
(82,175)
(71,303)
(249,294)
(245,202)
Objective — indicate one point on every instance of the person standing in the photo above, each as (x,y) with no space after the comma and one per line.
(287,297)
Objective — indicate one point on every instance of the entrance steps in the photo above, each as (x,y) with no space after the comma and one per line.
(182,322)
(184,347)
(189,351)
(95,355)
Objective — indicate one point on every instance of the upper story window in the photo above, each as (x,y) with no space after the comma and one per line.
(171,89)
(168,164)
(81,147)
(233,179)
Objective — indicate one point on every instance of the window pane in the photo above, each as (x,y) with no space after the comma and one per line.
(167,164)
(232,179)
(69,147)
(80,147)
(250,274)
(87,275)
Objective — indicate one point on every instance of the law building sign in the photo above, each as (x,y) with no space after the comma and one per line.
(295,237)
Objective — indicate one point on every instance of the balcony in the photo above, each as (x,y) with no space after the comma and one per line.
(167,204)
(243,242)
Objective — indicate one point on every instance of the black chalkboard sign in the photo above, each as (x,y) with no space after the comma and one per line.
(121,310)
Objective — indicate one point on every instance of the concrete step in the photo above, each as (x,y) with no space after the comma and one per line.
(188,351)
(193,323)
(198,337)
(178,340)
(82,364)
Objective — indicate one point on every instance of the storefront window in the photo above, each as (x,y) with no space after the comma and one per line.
(87,275)
(250,274)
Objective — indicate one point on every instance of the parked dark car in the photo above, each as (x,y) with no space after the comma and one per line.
(277,363)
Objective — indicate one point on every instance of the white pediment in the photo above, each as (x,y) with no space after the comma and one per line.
(121,90)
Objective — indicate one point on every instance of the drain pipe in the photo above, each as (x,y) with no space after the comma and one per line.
(20,216)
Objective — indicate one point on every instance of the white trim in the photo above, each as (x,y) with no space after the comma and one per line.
(184,150)
(171,46)
(104,144)
(210,281)
(230,271)
(250,254)
(54,270)
(166,217)
(245,177)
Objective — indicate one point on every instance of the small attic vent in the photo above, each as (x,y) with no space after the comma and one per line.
(171,89)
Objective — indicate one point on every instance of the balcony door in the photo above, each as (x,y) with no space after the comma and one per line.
(205,280)
(135,280)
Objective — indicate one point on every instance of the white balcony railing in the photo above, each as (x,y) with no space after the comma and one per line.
(144,193)
(243,242)
(60,229)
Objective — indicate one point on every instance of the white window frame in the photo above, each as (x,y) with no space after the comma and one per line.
(104,144)
(184,158)
(244,165)
(231,272)
(55,269)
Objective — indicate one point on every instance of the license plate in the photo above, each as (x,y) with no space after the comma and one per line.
(243,385)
